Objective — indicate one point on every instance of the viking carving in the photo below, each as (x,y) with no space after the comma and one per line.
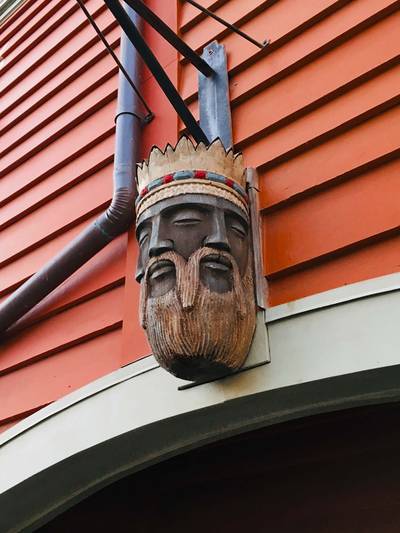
(195,264)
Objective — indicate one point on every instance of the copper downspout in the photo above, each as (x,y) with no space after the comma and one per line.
(114,221)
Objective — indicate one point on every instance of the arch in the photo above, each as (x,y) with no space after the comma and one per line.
(137,416)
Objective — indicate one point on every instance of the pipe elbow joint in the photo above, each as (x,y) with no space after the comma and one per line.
(119,215)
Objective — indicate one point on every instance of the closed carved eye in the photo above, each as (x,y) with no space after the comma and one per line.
(189,216)
(143,238)
(187,221)
(238,229)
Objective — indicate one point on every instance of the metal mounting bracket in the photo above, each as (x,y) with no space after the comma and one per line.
(214,104)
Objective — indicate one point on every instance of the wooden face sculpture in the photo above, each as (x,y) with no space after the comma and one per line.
(195,263)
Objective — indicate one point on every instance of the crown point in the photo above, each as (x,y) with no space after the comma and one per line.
(199,159)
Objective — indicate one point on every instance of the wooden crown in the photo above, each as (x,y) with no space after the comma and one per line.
(186,156)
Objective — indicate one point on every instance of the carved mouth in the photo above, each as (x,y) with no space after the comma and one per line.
(160,269)
(217,262)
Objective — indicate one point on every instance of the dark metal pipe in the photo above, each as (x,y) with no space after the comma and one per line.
(158,72)
(114,221)
(228,24)
(169,35)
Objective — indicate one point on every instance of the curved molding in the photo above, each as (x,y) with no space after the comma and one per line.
(336,357)
(347,293)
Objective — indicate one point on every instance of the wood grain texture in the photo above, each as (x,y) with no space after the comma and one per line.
(316,113)
(195,264)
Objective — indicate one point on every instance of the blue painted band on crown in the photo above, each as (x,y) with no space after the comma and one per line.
(182,175)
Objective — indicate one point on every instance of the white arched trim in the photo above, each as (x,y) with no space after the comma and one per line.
(342,354)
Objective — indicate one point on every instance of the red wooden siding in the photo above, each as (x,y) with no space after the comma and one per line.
(317,114)
(57,128)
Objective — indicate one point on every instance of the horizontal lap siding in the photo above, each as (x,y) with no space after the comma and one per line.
(89,56)
(56,165)
(341,217)
(317,114)
(88,319)
(50,378)
(363,261)
(13,273)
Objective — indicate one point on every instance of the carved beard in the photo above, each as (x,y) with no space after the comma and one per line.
(196,333)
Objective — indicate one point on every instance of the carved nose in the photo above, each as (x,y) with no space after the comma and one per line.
(218,238)
(159,247)
(157,244)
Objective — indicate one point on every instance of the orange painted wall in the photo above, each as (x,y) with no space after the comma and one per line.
(57,144)
(316,113)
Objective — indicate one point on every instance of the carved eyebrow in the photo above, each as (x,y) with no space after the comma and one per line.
(188,211)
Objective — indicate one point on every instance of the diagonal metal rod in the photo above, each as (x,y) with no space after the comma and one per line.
(156,69)
(118,62)
(227,24)
(159,25)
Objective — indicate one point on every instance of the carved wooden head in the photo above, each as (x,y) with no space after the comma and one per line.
(195,262)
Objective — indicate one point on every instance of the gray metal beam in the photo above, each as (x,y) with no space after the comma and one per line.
(215,111)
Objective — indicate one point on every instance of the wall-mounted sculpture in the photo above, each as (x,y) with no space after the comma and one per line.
(195,264)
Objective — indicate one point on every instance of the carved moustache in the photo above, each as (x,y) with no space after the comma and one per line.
(193,331)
